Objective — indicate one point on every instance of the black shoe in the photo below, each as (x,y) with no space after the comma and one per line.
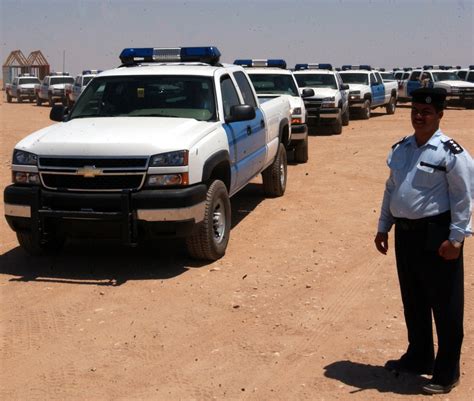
(433,388)
(403,365)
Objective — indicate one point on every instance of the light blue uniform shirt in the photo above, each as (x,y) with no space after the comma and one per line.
(428,180)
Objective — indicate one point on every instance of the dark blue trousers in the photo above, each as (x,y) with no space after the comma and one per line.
(431,287)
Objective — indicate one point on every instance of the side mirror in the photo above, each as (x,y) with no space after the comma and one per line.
(58,112)
(345,87)
(307,93)
(240,112)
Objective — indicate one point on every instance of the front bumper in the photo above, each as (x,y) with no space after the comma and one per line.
(160,212)
(324,115)
(299,132)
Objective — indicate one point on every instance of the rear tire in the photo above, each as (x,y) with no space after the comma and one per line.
(33,248)
(274,176)
(9,98)
(50,101)
(212,236)
(390,108)
(301,151)
(19,99)
(38,101)
(366,110)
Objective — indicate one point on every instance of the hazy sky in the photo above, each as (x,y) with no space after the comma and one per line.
(383,33)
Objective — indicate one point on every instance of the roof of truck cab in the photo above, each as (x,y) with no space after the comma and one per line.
(315,71)
(267,70)
(198,69)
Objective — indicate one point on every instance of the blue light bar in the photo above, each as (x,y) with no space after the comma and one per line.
(208,55)
(427,67)
(271,63)
(365,67)
(407,68)
(313,66)
(396,69)
(90,72)
(243,63)
(346,67)
(471,67)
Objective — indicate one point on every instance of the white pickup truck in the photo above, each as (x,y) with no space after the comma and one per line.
(329,104)
(22,87)
(154,148)
(72,91)
(271,79)
(368,91)
(459,92)
(51,89)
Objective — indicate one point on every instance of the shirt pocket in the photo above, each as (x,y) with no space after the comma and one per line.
(426,177)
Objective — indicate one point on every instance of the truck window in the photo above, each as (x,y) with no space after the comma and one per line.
(373,81)
(229,95)
(354,78)
(415,75)
(316,80)
(245,88)
(462,74)
(379,78)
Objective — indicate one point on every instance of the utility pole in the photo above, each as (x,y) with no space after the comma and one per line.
(64,60)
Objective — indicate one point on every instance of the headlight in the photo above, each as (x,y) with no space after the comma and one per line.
(22,177)
(328,102)
(296,111)
(178,158)
(160,180)
(25,158)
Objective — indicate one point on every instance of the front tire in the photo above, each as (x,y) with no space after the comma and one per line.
(38,101)
(337,126)
(301,151)
(274,176)
(390,108)
(9,98)
(34,248)
(345,118)
(366,110)
(211,239)
(50,101)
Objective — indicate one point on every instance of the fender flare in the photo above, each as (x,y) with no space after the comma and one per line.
(212,162)
(284,123)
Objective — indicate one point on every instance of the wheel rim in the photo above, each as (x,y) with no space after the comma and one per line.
(282,174)
(219,221)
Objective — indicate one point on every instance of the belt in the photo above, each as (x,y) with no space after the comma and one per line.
(421,224)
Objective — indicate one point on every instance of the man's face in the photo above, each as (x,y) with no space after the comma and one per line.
(424,118)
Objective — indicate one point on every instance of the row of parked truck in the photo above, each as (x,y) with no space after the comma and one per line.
(156,147)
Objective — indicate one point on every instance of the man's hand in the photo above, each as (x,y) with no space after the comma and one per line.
(381,242)
(448,252)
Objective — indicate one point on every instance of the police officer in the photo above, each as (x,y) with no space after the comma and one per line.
(428,197)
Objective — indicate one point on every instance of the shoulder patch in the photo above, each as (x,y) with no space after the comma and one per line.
(399,142)
(453,146)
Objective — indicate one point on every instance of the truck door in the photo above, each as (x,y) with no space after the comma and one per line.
(413,82)
(242,144)
(377,89)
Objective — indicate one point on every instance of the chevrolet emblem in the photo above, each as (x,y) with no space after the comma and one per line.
(89,171)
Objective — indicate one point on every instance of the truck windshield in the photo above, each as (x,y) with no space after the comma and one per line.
(316,81)
(23,81)
(470,77)
(388,76)
(353,78)
(86,80)
(445,76)
(277,84)
(61,80)
(148,96)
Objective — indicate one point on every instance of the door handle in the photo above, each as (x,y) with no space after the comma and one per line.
(249,130)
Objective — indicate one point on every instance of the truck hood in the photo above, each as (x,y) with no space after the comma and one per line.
(359,87)
(295,101)
(321,93)
(56,86)
(454,84)
(117,136)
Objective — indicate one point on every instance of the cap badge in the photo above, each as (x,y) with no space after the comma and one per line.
(428,99)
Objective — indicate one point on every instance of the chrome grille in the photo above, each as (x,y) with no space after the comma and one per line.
(93,173)
(105,182)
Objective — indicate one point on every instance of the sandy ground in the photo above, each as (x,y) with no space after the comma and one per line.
(302,307)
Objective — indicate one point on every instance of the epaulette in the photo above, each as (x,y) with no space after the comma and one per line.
(399,142)
(453,146)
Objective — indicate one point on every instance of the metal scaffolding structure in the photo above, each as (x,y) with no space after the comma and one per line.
(16,64)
